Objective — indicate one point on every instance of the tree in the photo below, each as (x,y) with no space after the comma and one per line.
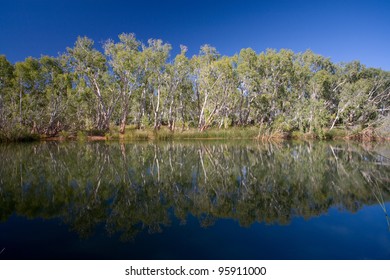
(226,95)
(57,88)
(156,54)
(178,88)
(124,58)
(91,68)
(30,86)
(276,73)
(249,83)
(6,84)
(205,81)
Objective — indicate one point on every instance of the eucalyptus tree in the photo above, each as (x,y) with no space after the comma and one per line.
(205,79)
(364,97)
(37,94)
(178,88)
(57,89)
(249,83)
(348,93)
(92,71)
(6,97)
(276,72)
(377,105)
(227,96)
(379,94)
(155,56)
(124,58)
(30,87)
(314,95)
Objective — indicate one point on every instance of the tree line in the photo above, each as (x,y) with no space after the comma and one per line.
(140,84)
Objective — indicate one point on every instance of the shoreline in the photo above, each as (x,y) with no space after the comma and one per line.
(164,134)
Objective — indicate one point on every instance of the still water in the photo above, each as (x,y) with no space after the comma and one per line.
(194,200)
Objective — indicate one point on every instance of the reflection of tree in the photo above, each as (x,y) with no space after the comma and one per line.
(375,179)
(132,187)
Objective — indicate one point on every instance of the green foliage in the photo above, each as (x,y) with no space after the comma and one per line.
(132,83)
(282,124)
(17,134)
(384,127)
(336,133)
(81,136)
(65,135)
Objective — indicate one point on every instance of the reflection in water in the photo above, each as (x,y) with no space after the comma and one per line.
(136,186)
(378,194)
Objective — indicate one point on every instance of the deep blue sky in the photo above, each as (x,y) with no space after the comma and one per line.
(341,30)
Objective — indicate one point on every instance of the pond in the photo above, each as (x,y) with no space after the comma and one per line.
(194,200)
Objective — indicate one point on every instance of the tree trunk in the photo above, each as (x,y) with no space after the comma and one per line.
(20,107)
(171,120)
(142,108)
(124,119)
(202,123)
(241,104)
(123,124)
(156,111)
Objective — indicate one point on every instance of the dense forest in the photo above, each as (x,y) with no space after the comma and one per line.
(138,85)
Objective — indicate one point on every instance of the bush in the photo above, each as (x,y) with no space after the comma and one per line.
(384,127)
(65,134)
(336,133)
(82,136)
(17,134)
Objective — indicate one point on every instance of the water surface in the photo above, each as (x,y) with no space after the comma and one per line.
(194,200)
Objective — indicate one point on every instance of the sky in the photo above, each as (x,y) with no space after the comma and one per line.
(341,30)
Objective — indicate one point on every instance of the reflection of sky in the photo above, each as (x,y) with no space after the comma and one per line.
(334,235)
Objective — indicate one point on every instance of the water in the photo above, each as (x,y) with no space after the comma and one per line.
(194,200)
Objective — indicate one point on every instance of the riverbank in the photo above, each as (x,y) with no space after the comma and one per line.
(245,133)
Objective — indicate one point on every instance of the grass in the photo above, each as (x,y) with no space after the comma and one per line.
(132,133)
(82,136)
(336,133)
(165,134)
(215,133)
(252,132)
